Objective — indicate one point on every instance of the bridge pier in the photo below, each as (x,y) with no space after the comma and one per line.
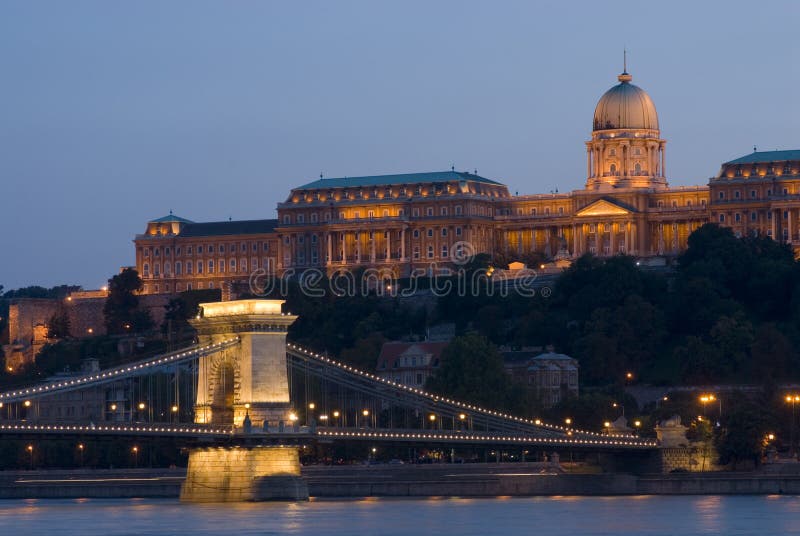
(238,474)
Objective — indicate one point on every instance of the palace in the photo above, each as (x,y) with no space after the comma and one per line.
(407,222)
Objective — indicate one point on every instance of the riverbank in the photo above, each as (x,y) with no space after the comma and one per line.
(440,480)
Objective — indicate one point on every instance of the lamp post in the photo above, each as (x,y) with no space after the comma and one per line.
(135,451)
(793,400)
(29,448)
(80,451)
(365,413)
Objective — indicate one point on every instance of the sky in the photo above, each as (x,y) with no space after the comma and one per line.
(114,113)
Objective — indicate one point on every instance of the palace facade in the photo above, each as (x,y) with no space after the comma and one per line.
(408,222)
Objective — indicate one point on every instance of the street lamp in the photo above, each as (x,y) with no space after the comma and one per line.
(432,418)
(792,399)
(135,451)
(29,448)
(365,413)
(568,421)
(80,450)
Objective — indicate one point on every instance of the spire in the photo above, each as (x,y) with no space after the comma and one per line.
(624,78)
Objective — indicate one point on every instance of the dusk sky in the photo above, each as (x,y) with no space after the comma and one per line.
(114,113)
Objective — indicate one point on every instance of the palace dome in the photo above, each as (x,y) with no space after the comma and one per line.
(625,106)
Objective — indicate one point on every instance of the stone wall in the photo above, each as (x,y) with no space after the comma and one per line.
(236,474)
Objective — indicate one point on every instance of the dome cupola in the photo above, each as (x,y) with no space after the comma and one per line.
(625,106)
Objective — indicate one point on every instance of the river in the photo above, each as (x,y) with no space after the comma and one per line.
(613,516)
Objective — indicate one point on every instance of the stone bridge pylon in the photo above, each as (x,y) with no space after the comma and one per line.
(251,377)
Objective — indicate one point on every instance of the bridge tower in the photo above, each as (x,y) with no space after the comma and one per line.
(249,379)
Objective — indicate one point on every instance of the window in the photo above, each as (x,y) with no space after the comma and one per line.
(458,210)
(737,217)
(287,219)
(444,231)
(301,239)
(612,152)
(785,191)
(637,169)
(785,214)
(533,212)
(752,194)
(444,251)
(737,194)
(430,252)
(242,264)
(177,250)
(210,266)
(266,247)
(178,268)
(560,210)
(415,212)
(722,218)
(637,152)
(416,252)
(416,233)
(613,168)
(443,211)
(146,270)
(430,233)
(458,231)
(221,265)
(674,204)
(429,211)
(232,264)
(547,211)
(188,267)
(167,268)
(385,213)
(722,195)
(753,216)
(371,214)
(314,217)
(157,252)
(199,267)
(255,246)
(357,214)
(244,247)
(166,251)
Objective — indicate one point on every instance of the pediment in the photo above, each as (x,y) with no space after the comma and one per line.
(603,207)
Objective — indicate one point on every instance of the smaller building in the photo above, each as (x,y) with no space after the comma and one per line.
(551,376)
(410,363)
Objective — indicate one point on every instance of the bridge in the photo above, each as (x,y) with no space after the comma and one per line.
(245,400)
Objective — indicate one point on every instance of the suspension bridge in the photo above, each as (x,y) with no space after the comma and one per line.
(245,399)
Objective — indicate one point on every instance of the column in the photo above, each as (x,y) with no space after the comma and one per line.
(357,238)
(330,248)
(388,245)
(774,225)
(403,243)
(343,238)
(372,247)
(789,226)
(613,242)
(589,162)
(660,238)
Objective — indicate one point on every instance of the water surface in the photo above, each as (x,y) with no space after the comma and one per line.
(650,515)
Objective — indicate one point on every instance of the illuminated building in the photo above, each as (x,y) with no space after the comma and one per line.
(418,222)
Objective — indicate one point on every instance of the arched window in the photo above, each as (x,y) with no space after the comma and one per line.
(637,169)
(613,168)
(178,268)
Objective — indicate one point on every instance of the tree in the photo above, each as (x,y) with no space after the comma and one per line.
(472,369)
(741,437)
(58,325)
(121,307)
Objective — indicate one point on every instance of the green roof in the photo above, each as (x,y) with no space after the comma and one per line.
(767,156)
(170,219)
(226,228)
(403,178)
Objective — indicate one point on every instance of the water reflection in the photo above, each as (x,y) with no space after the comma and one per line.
(600,516)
